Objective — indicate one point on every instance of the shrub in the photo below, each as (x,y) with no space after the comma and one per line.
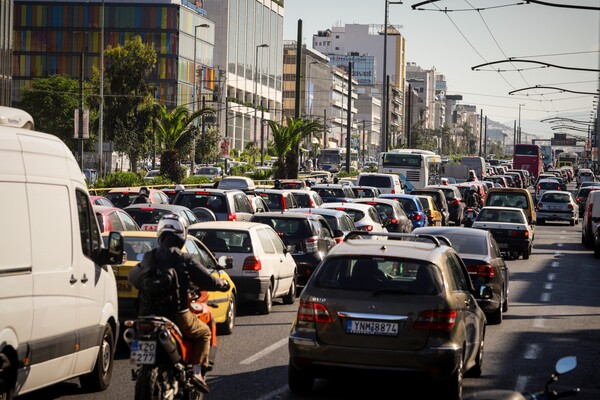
(119,179)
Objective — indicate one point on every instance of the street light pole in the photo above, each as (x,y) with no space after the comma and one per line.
(101,110)
(519,130)
(259,46)
(194,93)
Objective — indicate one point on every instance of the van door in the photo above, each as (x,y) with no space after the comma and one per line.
(93,281)
(55,284)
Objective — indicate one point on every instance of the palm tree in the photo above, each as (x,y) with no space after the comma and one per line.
(286,140)
(174,129)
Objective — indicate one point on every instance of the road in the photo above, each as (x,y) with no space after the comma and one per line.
(554,311)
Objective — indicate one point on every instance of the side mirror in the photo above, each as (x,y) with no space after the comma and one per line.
(290,248)
(486,292)
(113,254)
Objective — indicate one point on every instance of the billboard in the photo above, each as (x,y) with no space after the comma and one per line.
(363,67)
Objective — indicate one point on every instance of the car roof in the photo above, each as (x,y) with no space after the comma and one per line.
(287,214)
(210,190)
(502,208)
(385,247)
(241,225)
(376,200)
(170,207)
(144,234)
(353,205)
(440,230)
(320,211)
(105,209)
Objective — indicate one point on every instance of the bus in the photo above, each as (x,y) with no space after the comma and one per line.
(417,168)
(16,118)
(333,158)
(548,156)
(567,159)
(528,157)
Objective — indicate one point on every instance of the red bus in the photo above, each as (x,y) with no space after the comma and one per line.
(528,157)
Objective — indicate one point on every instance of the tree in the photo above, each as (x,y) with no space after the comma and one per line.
(52,103)
(212,145)
(129,97)
(286,140)
(174,129)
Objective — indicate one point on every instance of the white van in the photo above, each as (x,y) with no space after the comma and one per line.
(386,183)
(58,295)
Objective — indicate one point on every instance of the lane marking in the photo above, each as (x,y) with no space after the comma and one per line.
(264,352)
(551,276)
(539,322)
(533,351)
(560,245)
(554,264)
(545,297)
(548,286)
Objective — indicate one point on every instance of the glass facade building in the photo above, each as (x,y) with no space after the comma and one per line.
(51,37)
(6,12)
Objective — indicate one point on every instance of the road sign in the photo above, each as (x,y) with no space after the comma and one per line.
(563,142)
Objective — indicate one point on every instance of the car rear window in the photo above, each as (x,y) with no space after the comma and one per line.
(121,199)
(214,202)
(548,185)
(303,200)
(507,200)
(408,205)
(232,241)
(376,181)
(286,227)
(556,197)
(392,275)
(356,215)
(148,216)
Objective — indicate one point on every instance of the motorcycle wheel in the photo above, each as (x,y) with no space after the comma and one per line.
(151,383)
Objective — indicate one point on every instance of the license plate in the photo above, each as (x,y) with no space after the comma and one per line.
(376,328)
(143,352)
(555,207)
(503,245)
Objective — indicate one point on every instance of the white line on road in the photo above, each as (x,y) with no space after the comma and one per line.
(559,244)
(538,322)
(548,286)
(545,297)
(554,264)
(521,383)
(532,352)
(551,276)
(266,351)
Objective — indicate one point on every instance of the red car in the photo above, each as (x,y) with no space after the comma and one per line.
(114,219)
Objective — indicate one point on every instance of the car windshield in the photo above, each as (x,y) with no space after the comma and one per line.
(403,276)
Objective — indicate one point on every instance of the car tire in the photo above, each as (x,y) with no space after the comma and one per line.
(300,381)
(597,251)
(526,253)
(541,222)
(451,387)
(290,296)
(572,222)
(265,305)
(226,327)
(505,303)
(495,317)
(477,369)
(100,377)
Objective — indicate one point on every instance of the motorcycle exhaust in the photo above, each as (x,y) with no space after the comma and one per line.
(169,345)
(129,335)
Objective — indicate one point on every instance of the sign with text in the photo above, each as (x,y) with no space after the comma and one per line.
(563,142)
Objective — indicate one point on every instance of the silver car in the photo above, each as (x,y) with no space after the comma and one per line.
(557,205)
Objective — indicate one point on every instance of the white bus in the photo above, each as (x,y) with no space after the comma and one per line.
(417,168)
(332,158)
(15,117)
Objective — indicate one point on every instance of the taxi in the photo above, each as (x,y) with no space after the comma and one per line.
(223,304)
(434,216)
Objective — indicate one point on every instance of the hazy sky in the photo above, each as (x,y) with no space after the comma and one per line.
(461,38)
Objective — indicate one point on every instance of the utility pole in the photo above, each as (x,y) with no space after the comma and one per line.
(80,128)
(349,118)
(203,132)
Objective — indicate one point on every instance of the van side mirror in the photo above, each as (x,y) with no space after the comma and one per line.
(113,254)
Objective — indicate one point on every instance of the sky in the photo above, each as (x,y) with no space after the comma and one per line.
(477,32)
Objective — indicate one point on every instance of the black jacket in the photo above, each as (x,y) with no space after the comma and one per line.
(187,268)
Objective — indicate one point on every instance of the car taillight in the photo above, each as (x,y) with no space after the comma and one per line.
(393,191)
(231,217)
(519,233)
(313,312)
(283,204)
(393,221)
(570,206)
(578,199)
(436,320)
(367,228)
(481,270)
(311,203)
(251,264)
(312,244)
(341,239)
(456,202)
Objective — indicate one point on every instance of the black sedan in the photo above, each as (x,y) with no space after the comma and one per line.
(391,210)
(481,254)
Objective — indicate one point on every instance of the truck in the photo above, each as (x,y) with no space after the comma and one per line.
(455,170)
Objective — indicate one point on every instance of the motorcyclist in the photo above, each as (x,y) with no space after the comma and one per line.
(473,198)
(143,196)
(172,232)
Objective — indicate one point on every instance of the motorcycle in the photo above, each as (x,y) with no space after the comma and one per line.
(161,354)
(470,216)
(564,365)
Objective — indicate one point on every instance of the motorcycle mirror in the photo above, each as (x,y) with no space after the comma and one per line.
(565,364)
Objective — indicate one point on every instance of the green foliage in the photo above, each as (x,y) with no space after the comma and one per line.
(212,146)
(195,180)
(344,174)
(262,174)
(241,169)
(129,98)
(52,103)
(119,179)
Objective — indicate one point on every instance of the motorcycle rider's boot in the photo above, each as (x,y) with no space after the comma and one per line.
(197,380)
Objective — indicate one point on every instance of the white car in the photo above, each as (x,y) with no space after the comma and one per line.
(365,216)
(263,267)
(546,184)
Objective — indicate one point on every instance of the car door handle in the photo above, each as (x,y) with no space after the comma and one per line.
(72,281)
(84,279)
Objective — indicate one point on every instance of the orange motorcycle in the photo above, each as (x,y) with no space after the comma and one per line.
(161,354)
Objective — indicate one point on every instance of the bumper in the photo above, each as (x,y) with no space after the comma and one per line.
(311,356)
(519,245)
(556,216)
(306,264)
(251,288)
